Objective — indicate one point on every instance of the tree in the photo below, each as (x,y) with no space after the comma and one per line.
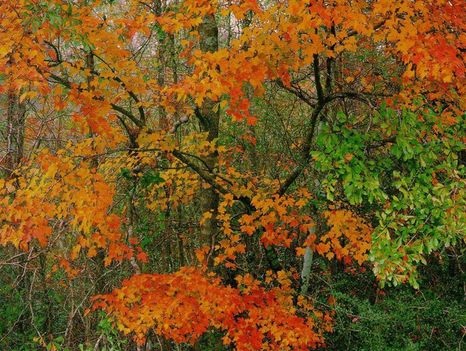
(238,136)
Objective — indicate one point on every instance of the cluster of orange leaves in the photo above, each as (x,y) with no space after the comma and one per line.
(271,49)
(266,50)
(348,239)
(59,194)
(184,305)
(180,184)
(278,220)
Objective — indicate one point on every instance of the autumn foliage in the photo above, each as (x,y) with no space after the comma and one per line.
(206,154)
(182,307)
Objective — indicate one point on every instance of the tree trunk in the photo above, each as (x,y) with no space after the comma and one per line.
(16,117)
(209,122)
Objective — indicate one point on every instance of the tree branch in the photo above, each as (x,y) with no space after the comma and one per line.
(123,111)
(320,91)
(305,150)
(295,90)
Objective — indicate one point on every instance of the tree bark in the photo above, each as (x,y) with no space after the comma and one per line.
(16,117)
(209,122)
